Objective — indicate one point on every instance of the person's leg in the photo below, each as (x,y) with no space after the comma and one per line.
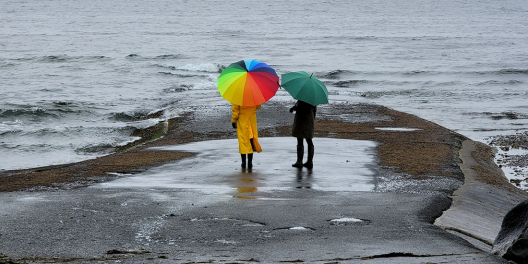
(250,155)
(243,156)
(250,160)
(309,162)
(300,153)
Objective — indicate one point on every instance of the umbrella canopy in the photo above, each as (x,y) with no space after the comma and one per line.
(248,83)
(305,87)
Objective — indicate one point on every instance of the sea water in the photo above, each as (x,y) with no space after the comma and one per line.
(76,77)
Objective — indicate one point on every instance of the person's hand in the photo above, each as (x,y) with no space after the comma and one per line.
(234,125)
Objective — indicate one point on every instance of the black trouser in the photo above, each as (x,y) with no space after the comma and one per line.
(308,141)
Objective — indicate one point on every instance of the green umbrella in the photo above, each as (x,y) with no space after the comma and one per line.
(305,87)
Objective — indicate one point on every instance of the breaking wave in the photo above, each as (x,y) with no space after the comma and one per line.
(136,115)
(102,148)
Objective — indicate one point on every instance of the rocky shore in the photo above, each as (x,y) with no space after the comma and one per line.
(513,154)
(467,194)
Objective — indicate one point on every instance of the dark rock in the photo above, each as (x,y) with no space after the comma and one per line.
(512,241)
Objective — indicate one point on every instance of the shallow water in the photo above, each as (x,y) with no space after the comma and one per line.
(342,165)
(77,77)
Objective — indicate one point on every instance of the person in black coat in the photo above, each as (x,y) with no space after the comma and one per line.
(303,128)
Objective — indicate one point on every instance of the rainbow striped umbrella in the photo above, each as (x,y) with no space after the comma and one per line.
(248,83)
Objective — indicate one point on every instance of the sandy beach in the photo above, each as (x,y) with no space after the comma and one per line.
(434,196)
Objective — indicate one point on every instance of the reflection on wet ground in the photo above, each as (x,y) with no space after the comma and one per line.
(246,185)
(304,178)
(339,165)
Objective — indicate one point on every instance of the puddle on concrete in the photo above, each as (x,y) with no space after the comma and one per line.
(339,165)
(295,228)
(346,220)
(298,228)
(349,221)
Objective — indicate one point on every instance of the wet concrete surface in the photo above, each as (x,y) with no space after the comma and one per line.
(369,200)
(206,209)
(187,226)
(341,165)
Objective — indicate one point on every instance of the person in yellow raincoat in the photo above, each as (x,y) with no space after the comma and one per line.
(244,119)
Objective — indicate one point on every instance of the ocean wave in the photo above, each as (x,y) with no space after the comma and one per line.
(10,132)
(133,56)
(500,82)
(66,58)
(54,90)
(335,74)
(138,57)
(510,115)
(6,64)
(349,83)
(9,146)
(57,109)
(33,111)
(509,71)
(204,67)
(102,148)
(45,132)
(169,56)
(136,115)
(58,59)
(417,93)
(128,117)
(63,103)
(338,74)
(397,83)
(513,71)
(418,72)
(187,87)
(178,88)
(181,75)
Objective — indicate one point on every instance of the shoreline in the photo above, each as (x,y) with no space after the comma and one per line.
(415,156)
(407,156)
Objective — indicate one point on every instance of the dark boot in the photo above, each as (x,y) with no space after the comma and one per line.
(243,156)
(250,160)
(300,154)
(309,162)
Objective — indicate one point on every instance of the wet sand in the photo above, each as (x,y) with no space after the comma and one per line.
(417,159)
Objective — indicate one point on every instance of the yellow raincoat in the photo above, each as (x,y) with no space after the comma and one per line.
(246,119)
